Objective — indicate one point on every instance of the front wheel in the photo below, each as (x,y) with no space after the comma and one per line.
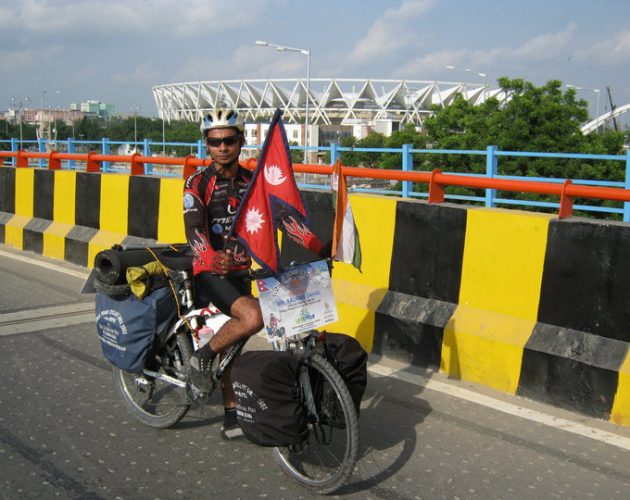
(325,461)
(158,396)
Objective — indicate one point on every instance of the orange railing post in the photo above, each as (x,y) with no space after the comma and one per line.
(188,169)
(54,163)
(21,160)
(566,201)
(436,191)
(137,167)
(91,163)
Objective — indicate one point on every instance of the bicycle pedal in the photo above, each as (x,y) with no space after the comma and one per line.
(195,395)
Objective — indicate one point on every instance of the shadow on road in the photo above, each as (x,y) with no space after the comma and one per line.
(388,431)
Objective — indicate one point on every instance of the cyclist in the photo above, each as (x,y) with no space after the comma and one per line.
(211,199)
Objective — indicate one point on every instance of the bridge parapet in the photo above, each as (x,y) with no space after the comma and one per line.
(525,303)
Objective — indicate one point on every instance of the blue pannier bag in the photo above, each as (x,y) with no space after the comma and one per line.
(127,325)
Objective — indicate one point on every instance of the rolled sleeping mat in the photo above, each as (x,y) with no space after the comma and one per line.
(111,265)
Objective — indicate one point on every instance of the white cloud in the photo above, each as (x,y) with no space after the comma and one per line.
(421,67)
(392,31)
(614,50)
(546,45)
(206,18)
(25,58)
(543,47)
(140,74)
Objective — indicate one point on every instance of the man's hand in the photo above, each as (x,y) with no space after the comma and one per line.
(221,262)
(326,250)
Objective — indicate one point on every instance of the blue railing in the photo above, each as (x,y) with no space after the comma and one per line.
(492,156)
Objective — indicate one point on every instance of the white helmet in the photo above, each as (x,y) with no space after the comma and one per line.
(220,118)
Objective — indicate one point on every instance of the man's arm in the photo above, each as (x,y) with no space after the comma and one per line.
(206,258)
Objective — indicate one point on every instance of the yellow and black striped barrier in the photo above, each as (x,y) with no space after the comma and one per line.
(521,302)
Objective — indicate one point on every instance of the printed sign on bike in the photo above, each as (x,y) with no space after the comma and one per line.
(300,300)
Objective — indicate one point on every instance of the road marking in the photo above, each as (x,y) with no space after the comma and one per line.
(502,406)
(47,265)
(45,318)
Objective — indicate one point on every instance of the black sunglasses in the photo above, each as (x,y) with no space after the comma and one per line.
(215,142)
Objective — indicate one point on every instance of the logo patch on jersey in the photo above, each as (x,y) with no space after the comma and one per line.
(232,205)
(189,201)
(217,228)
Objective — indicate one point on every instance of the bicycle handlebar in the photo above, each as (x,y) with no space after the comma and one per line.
(255,274)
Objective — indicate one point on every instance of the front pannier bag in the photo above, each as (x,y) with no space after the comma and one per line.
(127,325)
(268,402)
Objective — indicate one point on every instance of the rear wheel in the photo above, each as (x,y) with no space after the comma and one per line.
(159,402)
(325,461)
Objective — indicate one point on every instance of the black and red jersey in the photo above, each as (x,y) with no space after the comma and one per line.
(210,205)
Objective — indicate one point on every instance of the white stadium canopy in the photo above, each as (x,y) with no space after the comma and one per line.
(338,101)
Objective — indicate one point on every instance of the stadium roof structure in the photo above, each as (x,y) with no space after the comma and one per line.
(338,101)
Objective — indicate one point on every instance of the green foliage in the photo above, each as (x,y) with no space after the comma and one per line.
(297,155)
(363,158)
(540,119)
(10,130)
(407,135)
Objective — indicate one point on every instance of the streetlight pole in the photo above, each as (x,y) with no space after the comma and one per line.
(307,53)
(19,107)
(483,75)
(597,91)
(57,92)
(135,110)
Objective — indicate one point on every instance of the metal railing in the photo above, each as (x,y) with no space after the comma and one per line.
(316,176)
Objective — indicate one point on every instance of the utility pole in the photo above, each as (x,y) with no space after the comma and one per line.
(612,109)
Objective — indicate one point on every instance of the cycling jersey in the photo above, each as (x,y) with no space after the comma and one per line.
(210,204)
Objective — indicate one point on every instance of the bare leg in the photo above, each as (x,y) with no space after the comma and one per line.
(246,321)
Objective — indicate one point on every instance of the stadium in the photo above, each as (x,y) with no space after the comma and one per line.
(335,106)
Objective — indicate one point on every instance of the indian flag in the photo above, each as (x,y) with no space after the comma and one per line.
(346,246)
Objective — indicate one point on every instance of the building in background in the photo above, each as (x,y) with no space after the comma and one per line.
(95,108)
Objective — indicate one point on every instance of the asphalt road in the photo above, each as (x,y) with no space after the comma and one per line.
(65,433)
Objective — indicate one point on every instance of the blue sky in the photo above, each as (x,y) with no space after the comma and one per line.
(116,50)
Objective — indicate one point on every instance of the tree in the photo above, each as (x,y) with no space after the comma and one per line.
(407,135)
(542,119)
(89,129)
(366,158)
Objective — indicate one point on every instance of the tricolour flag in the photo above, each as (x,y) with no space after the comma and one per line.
(271,200)
(346,246)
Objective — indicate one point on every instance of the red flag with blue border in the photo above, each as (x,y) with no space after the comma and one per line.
(271,196)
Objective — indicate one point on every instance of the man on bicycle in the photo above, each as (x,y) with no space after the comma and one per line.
(211,199)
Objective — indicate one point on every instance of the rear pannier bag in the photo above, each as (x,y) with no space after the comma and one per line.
(127,325)
(350,360)
(268,401)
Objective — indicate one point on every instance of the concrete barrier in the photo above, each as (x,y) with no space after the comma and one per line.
(518,301)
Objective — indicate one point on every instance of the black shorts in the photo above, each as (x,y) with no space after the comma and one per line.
(222,291)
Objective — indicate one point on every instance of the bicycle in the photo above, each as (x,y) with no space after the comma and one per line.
(160,397)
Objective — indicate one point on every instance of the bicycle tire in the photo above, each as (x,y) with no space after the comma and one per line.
(322,466)
(155,402)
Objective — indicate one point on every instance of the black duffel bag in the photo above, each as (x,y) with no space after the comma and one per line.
(127,325)
(350,360)
(268,403)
